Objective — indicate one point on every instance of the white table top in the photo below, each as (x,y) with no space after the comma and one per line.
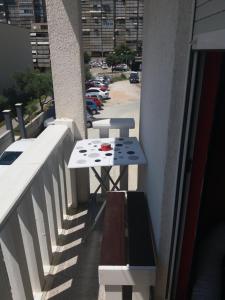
(125,151)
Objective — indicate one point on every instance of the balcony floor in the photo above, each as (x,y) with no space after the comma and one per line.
(75,271)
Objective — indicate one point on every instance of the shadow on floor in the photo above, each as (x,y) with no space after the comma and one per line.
(74,274)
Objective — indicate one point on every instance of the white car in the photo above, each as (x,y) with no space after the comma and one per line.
(99,78)
(94,91)
(12,152)
(104,66)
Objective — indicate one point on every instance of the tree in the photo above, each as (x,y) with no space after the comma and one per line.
(30,109)
(87,73)
(112,60)
(122,54)
(3,102)
(87,58)
(28,86)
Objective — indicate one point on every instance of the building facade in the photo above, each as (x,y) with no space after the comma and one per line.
(25,12)
(2,12)
(40,45)
(107,24)
(15,53)
(30,14)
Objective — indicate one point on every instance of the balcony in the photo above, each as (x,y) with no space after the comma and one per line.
(42,224)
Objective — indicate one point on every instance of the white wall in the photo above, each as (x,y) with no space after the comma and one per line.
(167,32)
(15,53)
(209,27)
(64,25)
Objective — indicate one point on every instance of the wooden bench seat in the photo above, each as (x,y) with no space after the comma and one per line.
(113,242)
(127,261)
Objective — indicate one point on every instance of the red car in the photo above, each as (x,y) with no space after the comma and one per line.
(103,88)
(97,101)
(98,84)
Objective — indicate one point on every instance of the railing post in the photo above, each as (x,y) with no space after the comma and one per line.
(62,178)
(15,259)
(40,212)
(19,112)
(70,175)
(8,122)
(50,204)
(31,244)
(4,280)
(57,191)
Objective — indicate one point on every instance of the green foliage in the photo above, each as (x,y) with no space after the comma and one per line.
(31,108)
(112,59)
(122,55)
(87,58)
(3,102)
(28,86)
(87,73)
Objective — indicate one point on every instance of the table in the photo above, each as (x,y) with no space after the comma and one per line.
(87,153)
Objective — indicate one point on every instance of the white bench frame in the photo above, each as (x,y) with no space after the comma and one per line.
(114,277)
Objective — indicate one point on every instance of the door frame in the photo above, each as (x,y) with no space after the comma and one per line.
(182,241)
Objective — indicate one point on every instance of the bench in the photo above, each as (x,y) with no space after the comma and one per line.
(127,263)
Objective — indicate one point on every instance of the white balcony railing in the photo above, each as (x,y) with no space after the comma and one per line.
(35,193)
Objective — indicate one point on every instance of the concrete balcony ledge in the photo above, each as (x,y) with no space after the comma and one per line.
(19,175)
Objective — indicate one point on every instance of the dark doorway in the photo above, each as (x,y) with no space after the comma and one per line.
(205,211)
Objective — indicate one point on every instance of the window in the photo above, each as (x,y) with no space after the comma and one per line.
(44,27)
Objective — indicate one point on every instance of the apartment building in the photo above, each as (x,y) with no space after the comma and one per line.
(2,12)
(107,24)
(40,45)
(30,14)
(25,12)
(15,53)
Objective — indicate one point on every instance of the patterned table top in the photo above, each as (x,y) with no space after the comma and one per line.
(124,151)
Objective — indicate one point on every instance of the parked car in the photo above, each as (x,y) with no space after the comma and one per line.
(121,67)
(104,87)
(91,106)
(89,119)
(97,101)
(12,152)
(97,92)
(99,78)
(134,77)
(105,79)
(104,66)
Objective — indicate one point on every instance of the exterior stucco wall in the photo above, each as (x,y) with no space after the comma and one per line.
(64,27)
(64,23)
(15,53)
(167,33)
